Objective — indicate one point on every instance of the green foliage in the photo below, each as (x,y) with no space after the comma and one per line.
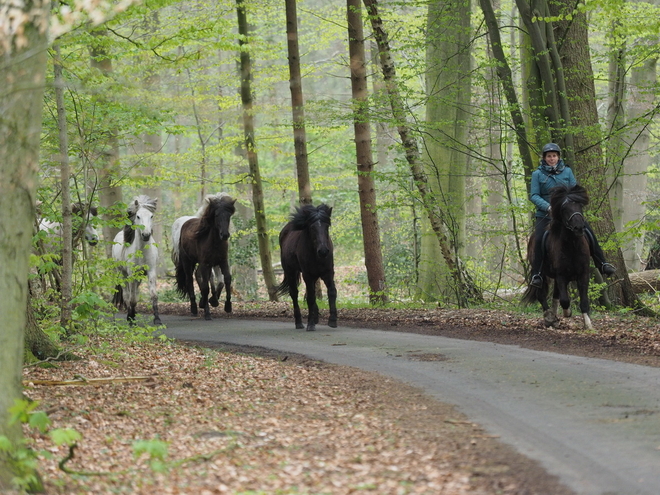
(156,451)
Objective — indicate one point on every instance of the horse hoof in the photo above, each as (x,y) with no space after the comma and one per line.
(227,307)
(208,317)
(214,302)
(300,326)
(157,322)
(332,323)
(311,328)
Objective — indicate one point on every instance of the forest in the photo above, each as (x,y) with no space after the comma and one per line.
(152,104)
(419,122)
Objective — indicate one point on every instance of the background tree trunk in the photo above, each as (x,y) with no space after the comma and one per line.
(110,194)
(373,256)
(66,289)
(588,165)
(464,286)
(255,176)
(446,161)
(22,80)
(297,105)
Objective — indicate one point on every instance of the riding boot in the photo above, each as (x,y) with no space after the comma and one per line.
(537,265)
(597,254)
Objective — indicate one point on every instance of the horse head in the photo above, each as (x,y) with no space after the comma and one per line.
(141,213)
(85,215)
(218,215)
(567,204)
(316,221)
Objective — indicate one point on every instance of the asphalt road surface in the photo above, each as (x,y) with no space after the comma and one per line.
(592,422)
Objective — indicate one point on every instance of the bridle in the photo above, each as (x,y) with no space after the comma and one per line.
(568,220)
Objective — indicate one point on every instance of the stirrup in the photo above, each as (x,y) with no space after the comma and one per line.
(537,281)
(607,269)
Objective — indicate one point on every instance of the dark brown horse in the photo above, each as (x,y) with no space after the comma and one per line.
(566,256)
(204,242)
(306,248)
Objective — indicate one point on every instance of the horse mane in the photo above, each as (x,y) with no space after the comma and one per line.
(141,201)
(306,215)
(560,194)
(213,204)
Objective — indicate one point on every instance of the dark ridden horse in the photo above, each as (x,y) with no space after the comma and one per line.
(136,254)
(566,256)
(203,241)
(306,248)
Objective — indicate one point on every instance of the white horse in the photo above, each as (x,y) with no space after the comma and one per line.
(82,226)
(137,254)
(217,280)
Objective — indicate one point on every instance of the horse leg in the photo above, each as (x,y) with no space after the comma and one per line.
(226,273)
(293,292)
(563,296)
(205,274)
(216,287)
(153,292)
(131,302)
(312,307)
(583,289)
(332,300)
(549,313)
(189,268)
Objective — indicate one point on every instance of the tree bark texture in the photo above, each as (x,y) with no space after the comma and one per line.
(66,287)
(448,90)
(250,147)
(465,287)
(588,166)
(22,79)
(110,194)
(373,257)
(297,105)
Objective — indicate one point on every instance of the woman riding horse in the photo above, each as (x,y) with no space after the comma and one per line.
(553,172)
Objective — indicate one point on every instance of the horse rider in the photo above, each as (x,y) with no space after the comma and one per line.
(553,172)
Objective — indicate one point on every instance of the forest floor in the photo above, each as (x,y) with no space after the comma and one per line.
(249,421)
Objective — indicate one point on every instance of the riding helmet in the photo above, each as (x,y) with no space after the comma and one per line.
(551,147)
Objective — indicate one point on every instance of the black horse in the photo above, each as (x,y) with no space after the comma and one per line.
(566,255)
(203,242)
(306,248)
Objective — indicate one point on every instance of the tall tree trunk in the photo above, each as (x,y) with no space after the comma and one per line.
(250,147)
(588,164)
(297,105)
(22,81)
(641,110)
(66,288)
(446,160)
(464,286)
(373,256)
(110,194)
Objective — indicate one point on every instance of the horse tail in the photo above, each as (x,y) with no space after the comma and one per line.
(284,288)
(531,295)
(118,297)
(181,285)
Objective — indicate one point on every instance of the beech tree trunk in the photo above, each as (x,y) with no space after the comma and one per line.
(66,287)
(250,147)
(464,286)
(373,256)
(297,105)
(110,194)
(22,81)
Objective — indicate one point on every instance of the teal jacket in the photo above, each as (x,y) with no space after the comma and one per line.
(544,179)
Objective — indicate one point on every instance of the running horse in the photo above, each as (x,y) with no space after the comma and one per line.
(202,245)
(136,254)
(306,249)
(566,256)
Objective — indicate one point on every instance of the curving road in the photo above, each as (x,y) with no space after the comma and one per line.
(592,422)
